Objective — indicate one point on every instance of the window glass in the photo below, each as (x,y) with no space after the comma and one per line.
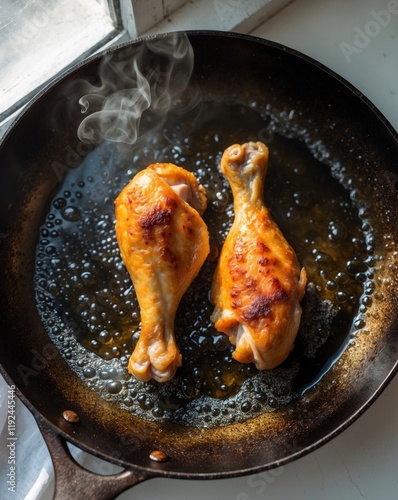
(39,38)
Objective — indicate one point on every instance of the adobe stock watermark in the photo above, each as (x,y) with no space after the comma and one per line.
(365,34)
(40,361)
(73,159)
(42,12)
(11,439)
(259,483)
(227,8)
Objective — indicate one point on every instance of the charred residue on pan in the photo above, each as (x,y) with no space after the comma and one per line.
(89,308)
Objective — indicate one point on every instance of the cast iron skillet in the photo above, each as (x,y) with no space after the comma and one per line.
(227,67)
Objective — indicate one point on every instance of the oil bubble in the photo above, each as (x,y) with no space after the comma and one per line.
(88,278)
(157,412)
(59,203)
(114,387)
(89,372)
(355,266)
(337,232)
(342,278)
(359,322)
(246,406)
(342,297)
(331,285)
(104,337)
(71,214)
(367,301)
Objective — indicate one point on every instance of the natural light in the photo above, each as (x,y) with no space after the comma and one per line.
(39,38)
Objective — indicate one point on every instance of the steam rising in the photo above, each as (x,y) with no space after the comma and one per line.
(137,87)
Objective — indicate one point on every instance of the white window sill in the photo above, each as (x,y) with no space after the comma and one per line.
(224,15)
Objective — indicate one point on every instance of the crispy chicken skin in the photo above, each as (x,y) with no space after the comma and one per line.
(258,284)
(163,242)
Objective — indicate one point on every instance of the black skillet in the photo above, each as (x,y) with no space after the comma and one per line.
(320,109)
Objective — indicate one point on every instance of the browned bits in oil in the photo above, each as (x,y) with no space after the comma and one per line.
(71,416)
(159,456)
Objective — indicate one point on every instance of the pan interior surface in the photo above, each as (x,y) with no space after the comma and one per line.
(331,182)
(89,308)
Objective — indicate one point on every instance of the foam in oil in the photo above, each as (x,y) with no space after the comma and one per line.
(89,308)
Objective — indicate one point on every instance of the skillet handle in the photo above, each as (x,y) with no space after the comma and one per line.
(73,481)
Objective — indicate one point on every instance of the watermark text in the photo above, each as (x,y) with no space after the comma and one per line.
(11,440)
(364,35)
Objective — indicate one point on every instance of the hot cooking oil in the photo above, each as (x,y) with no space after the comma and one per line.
(87,301)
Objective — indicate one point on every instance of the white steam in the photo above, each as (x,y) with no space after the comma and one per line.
(145,80)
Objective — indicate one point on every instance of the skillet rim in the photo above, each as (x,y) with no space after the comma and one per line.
(387,379)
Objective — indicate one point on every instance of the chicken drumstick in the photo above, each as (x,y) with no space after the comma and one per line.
(163,242)
(258,283)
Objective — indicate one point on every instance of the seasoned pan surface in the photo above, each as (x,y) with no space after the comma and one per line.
(331,187)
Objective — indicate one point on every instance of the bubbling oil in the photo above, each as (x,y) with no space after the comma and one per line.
(89,308)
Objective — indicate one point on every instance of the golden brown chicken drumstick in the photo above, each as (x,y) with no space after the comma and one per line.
(163,242)
(258,284)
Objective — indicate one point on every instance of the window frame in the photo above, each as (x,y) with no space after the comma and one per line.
(135,18)
(131,19)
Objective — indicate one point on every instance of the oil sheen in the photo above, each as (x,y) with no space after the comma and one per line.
(87,301)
